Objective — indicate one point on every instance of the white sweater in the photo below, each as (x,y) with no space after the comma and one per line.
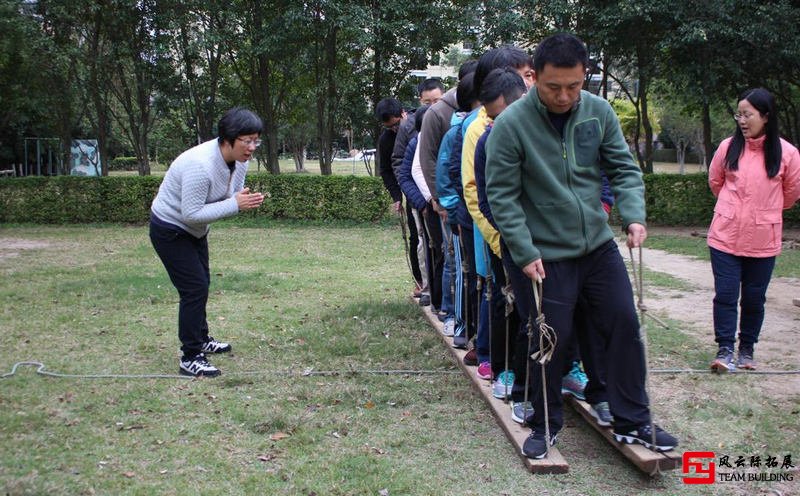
(199,189)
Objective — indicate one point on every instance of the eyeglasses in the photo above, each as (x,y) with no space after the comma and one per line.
(250,142)
(742,116)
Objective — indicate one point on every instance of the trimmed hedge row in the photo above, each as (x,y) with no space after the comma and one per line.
(124,164)
(127,199)
(686,200)
(671,199)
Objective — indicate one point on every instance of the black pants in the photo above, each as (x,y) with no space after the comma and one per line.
(413,240)
(504,328)
(600,278)
(433,228)
(186,260)
(470,297)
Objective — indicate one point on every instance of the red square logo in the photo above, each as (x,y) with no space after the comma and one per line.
(696,460)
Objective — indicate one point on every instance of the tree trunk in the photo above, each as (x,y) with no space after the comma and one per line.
(708,152)
(648,128)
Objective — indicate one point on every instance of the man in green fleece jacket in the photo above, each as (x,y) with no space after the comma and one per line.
(543,182)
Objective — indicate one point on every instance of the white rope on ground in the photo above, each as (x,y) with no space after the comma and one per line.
(308,372)
(547,346)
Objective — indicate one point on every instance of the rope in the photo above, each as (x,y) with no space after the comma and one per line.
(307,372)
(638,279)
(547,347)
(508,295)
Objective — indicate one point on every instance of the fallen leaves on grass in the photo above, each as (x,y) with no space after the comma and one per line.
(279,435)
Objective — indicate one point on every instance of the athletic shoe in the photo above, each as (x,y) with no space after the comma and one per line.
(198,366)
(461,342)
(521,412)
(442,316)
(471,358)
(535,446)
(745,359)
(724,361)
(485,371)
(214,346)
(574,382)
(449,327)
(424,300)
(501,388)
(602,414)
(644,435)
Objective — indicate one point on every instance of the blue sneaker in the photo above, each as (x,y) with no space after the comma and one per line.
(574,382)
(501,388)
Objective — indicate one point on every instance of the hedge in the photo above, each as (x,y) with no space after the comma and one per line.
(127,199)
(671,199)
(123,164)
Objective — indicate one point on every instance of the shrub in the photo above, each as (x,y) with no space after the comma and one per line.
(123,164)
(671,199)
(74,200)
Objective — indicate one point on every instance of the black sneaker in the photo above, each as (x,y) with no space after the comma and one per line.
(535,446)
(723,363)
(644,435)
(214,346)
(198,366)
(424,300)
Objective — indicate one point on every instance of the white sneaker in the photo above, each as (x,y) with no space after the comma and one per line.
(449,327)
(214,346)
(198,366)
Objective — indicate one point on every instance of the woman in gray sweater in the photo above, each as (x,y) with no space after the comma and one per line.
(203,184)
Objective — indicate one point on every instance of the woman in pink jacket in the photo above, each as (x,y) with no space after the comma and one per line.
(755,175)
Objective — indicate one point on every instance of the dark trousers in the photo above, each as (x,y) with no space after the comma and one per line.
(433,228)
(523,301)
(470,296)
(601,279)
(589,347)
(413,240)
(731,273)
(186,260)
(504,328)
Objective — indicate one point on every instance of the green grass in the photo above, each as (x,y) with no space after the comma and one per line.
(787,263)
(291,298)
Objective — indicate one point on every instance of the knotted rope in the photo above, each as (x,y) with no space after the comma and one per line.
(638,280)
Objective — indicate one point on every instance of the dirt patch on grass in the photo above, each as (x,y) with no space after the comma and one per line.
(11,247)
(777,346)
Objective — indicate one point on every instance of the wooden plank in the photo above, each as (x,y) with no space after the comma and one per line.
(554,463)
(646,460)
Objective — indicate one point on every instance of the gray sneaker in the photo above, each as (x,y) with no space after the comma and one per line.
(745,359)
(723,362)
(602,414)
(521,411)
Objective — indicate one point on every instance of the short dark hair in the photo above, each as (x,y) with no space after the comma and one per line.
(763,101)
(563,50)
(236,122)
(430,84)
(418,115)
(502,82)
(506,56)
(465,92)
(388,108)
(466,68)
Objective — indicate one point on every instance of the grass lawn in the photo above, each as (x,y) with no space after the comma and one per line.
(787,264)
(294,298)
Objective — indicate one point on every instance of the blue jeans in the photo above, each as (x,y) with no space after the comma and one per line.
(731,273)
(448,277)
